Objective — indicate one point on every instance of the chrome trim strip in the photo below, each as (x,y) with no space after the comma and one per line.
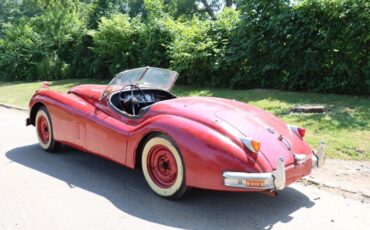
(300,157)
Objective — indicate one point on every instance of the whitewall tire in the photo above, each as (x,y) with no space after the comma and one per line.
(44,131)
(163,167)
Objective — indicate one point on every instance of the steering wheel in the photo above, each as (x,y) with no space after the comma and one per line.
(133,100)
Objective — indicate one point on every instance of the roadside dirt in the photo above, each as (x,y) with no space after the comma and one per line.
(346,178)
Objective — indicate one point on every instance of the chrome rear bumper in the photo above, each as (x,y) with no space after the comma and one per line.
(263,181)
(275,180)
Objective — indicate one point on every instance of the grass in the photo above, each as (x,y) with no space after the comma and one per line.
(345,127)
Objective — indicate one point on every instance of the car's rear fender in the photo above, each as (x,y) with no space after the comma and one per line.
(206,153)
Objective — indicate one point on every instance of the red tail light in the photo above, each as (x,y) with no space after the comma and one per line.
(45,84)
(299,131)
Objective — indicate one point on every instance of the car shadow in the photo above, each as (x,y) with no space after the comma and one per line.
(127,190)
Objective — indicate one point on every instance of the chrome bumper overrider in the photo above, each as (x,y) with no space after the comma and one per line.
(263,181)
(318,157)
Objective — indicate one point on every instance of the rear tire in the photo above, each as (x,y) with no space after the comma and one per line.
(44,131)
(163,167)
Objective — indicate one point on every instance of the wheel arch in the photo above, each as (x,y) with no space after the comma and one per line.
(140,147)
(144,139)
(34,110)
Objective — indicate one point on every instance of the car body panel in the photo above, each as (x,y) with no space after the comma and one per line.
(91,93)
(236,119)
(83,126)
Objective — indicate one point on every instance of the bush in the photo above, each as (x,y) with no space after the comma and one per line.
(122,42)
(116,43)
(191,52)
(315,45)
(312,45)
(201,52)
(19,52)
(43,47)
(333,37)
(155,41)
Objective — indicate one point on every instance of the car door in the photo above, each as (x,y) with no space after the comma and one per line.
(105,135)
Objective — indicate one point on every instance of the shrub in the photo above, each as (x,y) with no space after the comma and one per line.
(333,37)
(312,45)
(155,41)
(191,52)
(43,47)
(19,52)
(116,43)
(315,45)
(201,50)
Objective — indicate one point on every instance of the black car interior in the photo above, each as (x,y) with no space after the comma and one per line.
(136,101)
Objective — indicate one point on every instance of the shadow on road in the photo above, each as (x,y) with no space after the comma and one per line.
(128,191)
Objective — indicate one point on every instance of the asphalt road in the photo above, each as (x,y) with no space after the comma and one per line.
(75,190)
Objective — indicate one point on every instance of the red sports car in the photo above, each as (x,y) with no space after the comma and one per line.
(179,143)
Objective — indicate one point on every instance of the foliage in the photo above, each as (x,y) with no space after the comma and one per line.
(42,47)
(122,42)
(191,51)
(182,8)
(116,42)
(104,8)
(315,45)
(157,36)
(19,52)
(200,52)
(312,45)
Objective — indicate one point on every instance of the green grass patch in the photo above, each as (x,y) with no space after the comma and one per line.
(345,127)
(19,93)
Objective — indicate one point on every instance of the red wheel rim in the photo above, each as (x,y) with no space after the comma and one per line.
(43,129)
(162,166)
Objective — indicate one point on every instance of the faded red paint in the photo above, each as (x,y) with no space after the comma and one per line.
(207,131)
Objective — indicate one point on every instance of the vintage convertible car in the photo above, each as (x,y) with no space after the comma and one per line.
(179,143)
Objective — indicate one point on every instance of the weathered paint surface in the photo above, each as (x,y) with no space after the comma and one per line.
(207,131)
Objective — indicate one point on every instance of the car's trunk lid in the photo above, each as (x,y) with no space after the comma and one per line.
(259,125)
(246,119)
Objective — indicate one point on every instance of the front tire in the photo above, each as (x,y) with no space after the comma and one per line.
(163,167)
(44,131)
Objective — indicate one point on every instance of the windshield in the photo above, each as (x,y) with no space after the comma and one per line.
(146,77)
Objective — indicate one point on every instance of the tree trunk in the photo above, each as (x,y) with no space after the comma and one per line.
(208,9)
(229,3)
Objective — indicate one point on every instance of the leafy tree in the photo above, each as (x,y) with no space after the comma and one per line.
(314,45)
(9,12)
(43,46)
(105,8)
(116,42)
